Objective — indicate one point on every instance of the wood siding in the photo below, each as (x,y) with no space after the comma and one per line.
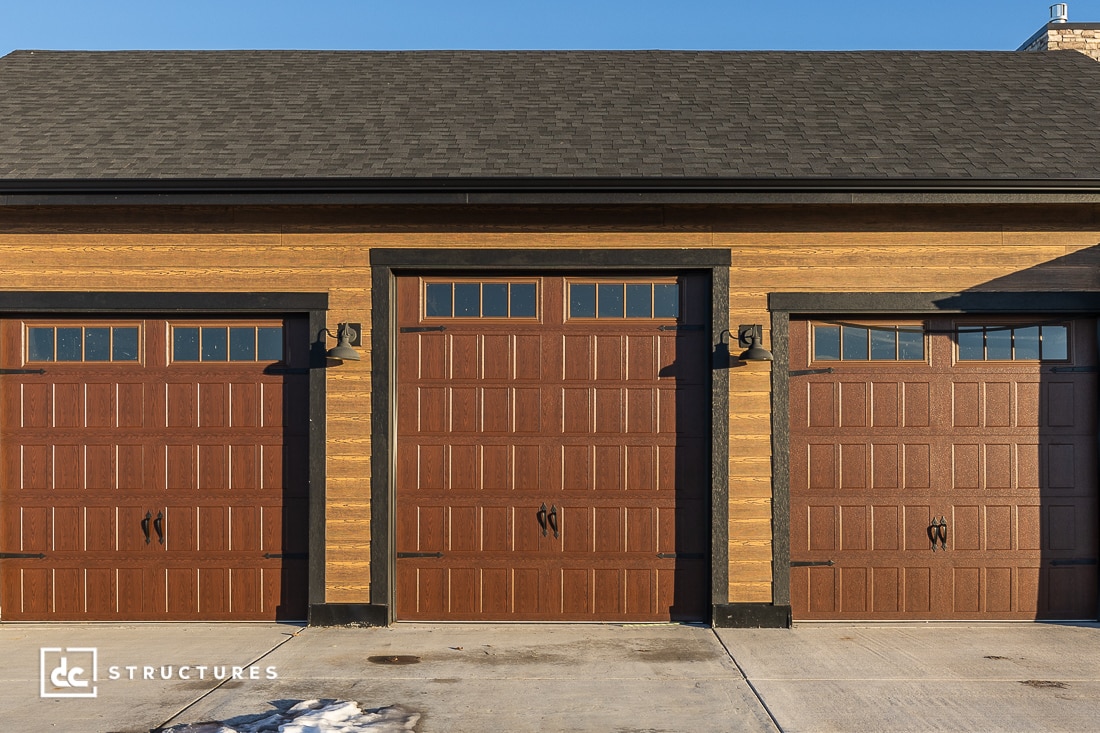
(813,248)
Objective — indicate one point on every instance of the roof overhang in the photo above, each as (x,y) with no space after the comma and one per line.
(539,191)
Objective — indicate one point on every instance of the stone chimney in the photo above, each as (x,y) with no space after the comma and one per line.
(1061,35)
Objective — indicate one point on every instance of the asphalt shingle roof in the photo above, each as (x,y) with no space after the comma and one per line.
(554,114)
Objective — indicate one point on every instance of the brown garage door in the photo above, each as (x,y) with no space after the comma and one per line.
(153,469)
(944,470)
(553,443)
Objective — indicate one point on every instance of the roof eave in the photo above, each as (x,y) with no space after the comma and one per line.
(450,191)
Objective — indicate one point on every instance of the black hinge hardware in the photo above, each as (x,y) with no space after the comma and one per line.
(1075,561)
(286,555)
(22,555)
(22,371)
(681,555)
(420,554)
(807,372)
(812,563)
(685,327)
(420,329)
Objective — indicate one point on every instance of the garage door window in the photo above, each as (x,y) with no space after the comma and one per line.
(624,299)
(227,343)
(1013,343)
(77,343)
(480,299)
(844,342)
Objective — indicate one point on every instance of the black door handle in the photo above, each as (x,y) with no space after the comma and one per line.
(937,532)
(158,525)
(541,515)
(145,525)
(553,521)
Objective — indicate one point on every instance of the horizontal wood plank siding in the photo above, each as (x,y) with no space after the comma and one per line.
(774,249)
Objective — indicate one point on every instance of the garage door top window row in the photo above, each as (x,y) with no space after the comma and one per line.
(122,343)
(518,299)
(71,343)
(989,342)
(227,343)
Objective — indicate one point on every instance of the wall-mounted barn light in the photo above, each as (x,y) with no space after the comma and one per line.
(348,335)
(749,338)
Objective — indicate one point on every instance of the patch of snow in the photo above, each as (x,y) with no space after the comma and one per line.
(313,716)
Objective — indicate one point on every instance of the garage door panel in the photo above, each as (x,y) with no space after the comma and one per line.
(821,590)
(608,458)
(68,466)
(213,529)
(998,590)
(1061,404)
(886,591)
(1014,484)
(35,528)
(178,467)
(854,404)
(213,404)
(213,591)
(885,404)
(68,528)
(99,466)
(821,466)
(101,591)
(213,463)
(885,466)
(181,592)
(176,431)
(998,528)
(854,588)
(131,405)
(1061,527)
(966,590)
(965,528)
(886,528)
(37,405)
(918,590)
(855,466)
(965,465)
(854,528)
(998,466)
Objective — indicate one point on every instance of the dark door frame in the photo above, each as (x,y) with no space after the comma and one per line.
(784,306)
(387,264)
(313,306)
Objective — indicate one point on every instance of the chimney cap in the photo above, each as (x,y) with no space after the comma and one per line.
(1059,13)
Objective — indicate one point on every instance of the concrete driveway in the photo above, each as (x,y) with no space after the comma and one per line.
(535,677)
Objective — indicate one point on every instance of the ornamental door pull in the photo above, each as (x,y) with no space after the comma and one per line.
(541,516)
(937,532)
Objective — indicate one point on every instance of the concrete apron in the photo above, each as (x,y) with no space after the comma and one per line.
(924,677)
(467,677)
(459,677)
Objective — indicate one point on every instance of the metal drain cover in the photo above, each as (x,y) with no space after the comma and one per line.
(394,659)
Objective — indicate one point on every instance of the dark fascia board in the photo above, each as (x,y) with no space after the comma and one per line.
(968,302)
(192,302)
(539,191)
(605,259)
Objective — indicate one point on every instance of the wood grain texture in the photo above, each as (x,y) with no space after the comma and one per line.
(774,249)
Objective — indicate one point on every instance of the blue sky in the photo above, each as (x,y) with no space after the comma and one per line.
(526,24)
